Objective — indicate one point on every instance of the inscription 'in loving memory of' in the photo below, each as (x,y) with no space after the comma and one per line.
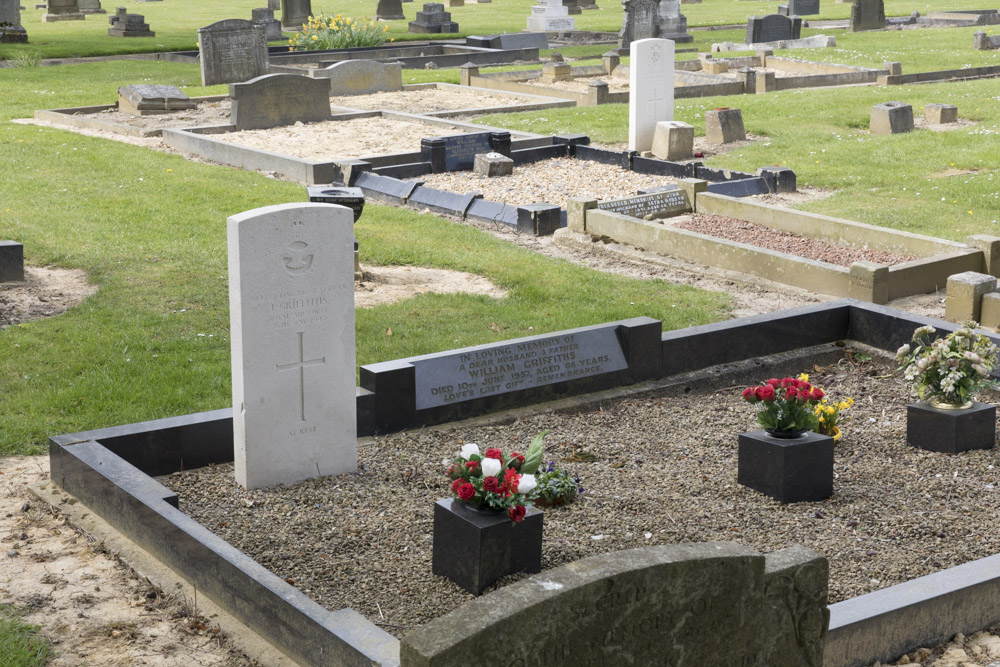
(516,366)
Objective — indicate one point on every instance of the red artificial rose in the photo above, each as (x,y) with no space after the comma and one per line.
(516,513)
(787,382)
(749,394)
(451,471)
(457,483)
(472,465)
(494,453)
(791,392)
(466,491)
(766,393)
(492,484)
(511,478)
(774,383)
(817,394)
(516,460)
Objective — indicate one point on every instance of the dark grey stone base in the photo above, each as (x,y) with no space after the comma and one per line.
(13,36)
(11,261)
(130,33)
(474,549)
(951,431)
(788,470)
(415,27)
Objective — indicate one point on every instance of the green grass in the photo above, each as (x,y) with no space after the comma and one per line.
(21,644)
(149,229)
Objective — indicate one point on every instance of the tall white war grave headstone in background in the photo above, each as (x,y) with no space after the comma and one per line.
(291,302)
(650,89)
(550,16)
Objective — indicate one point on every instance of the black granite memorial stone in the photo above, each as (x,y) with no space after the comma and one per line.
(386,188)
(442,201)
(790,470)
(352,198)
(539,219)
(11,261)
(772,28)
(669,201)
(951,431)
(458,152)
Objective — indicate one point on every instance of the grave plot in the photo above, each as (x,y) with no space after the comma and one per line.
(208,111)
(819,253)
(897,512)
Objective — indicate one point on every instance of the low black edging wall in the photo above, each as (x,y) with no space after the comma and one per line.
(108,470)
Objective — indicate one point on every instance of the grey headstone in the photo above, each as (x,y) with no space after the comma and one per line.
(294,13)
(145,99)
(389,10)
(264,16)
(361,77)
(521,40)
(867,15)
(91,7)
(891,118)
(124,24)
(803,7)
(772,28)
(433,19)
(688,605)
(639,21)
(672,24)
(274,5)
(62,10)
(11,30)
(231,51)
(279,99)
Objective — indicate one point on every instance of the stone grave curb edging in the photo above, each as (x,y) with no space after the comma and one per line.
(77,117)
(940,75)
(877,626)
(937,258)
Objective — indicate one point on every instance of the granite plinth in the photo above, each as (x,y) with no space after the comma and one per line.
(789,470)
(951,431)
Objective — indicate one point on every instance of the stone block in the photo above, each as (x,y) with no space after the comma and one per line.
(765,81)
(965,293)
(723,126)
(989,315)
(576,213)
(610,61)
(892,68)
(938,114)
(891,118)
(951,431)
(691,187)
(538,219)
(711,66)
(869,281)
(492,164)
(790,470)
(11,261)
(466,72)
(559,71)
(778,179)
(990,245)
(673,140)
(476,548)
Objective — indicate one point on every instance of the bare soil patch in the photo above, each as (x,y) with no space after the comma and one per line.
(772,239)
(44,292)
(205,113)
(388,284)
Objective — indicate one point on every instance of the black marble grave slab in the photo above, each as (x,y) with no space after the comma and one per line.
(622,159)
(951,431)
(442,201)
(11,261)
(539,153)
(352,198)
(386,188)
(741,188)
(491,211)
(646,165)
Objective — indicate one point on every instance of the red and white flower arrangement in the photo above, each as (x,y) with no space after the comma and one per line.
(491,480)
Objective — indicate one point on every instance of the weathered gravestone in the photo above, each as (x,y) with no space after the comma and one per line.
(91,7)
(231,51)
(291,302)
(146,99)
(294,14)
(264,16)
(124,24)
(62,10)
(686,605)
(650,90)
(361,77)
(11,30)
(799,8)
(672,24)
(433,19)
(273,100)
(458,151)
(983,42)
(274,5)
(772,28)
(867,15)
(639,21)
(389,10)
(550,16)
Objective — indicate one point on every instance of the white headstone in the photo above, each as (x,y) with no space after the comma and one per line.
(291,303)
(550,16)
(650,89)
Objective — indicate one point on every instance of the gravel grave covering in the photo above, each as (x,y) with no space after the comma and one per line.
(665,472)
(581,84)
(732,229)
(550,181)
(429,99)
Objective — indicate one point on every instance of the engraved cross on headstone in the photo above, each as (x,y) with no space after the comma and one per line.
(301,365)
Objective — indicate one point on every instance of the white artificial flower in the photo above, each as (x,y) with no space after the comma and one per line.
(903,351)
(491,467)
(469,450)
(526,484)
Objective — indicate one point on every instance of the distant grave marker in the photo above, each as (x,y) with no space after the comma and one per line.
(291,294)
(360,77)
(11,30)
(550,16)
(433,19)
(273,100)
(232,51)
(295,13)
(651,90)
(62,10)
(458,151)
(91,7)
(867,15)
(124,24)
(264,16)
(389,10)
(146,99)
(772,28)
(639,21)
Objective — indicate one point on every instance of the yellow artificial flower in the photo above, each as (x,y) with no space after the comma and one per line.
(804,377)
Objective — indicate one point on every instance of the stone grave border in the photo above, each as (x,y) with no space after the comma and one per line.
(109,470)
(936,258)
(81,117)
(989,72)
(451,53)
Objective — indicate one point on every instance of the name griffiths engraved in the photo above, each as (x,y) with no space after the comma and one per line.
(515,366)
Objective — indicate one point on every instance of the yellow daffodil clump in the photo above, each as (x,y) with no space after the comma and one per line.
(338,32)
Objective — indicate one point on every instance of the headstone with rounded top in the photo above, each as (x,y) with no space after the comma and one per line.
(389,10)
(274,100)
(651,90)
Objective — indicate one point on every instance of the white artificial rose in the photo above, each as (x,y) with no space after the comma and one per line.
(491,467)
(469,450)
(526,484)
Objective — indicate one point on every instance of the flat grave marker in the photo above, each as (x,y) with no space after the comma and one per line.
(666,203)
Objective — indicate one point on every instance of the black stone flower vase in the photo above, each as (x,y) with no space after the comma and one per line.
(951,431)
(475,548)
(790,470)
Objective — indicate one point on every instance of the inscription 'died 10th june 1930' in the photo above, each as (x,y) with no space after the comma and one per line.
(499,369)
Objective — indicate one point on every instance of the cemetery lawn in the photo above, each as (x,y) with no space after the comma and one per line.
(21,644)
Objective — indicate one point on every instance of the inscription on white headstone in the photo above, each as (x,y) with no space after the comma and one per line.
(650,89)
(291,301)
